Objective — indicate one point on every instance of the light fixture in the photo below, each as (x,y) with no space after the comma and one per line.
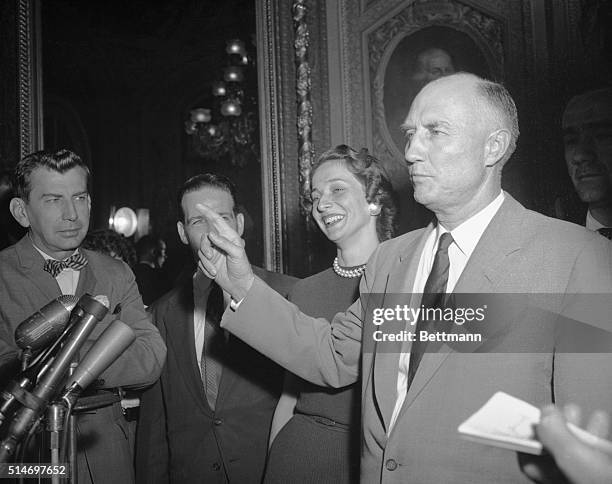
(230,127)
(123,221)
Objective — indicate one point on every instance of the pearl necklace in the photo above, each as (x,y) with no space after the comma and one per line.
(356,271)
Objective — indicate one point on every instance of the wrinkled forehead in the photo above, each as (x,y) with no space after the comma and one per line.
(588,108)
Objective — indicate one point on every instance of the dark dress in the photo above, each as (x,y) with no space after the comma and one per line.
(320,443)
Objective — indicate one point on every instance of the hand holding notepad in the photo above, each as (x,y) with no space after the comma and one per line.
(508,422)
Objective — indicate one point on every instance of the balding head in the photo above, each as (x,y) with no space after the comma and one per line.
(491,99)
(590,107)
(460,131)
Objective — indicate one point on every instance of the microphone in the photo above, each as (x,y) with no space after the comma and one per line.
(87,313)
(46,324)
(36,332)
(110,345)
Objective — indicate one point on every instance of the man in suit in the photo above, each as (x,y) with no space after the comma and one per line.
(460,131)
(196,426)
(587,139)
(53,202)
(151,279)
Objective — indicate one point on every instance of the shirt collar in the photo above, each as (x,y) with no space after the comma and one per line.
(592,223)
(47,256)
(467,235)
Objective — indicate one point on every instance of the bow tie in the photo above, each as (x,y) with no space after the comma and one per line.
(606,232)
(76,261)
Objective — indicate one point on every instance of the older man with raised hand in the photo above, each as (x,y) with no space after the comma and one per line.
(53,202)
(460,132)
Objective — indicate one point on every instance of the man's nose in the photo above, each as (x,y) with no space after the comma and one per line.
(413,152)
(69,211)
(583,150)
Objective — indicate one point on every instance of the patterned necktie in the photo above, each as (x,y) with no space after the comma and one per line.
(214,345)
(433,296)
(76,261)
(606,232)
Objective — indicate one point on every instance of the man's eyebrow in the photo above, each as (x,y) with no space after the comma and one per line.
(54,195)
(405,127)
(437,124)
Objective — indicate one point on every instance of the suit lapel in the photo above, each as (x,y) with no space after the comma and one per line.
(482,274)
(387,354)
(87,280)
(180,329)
(32,265)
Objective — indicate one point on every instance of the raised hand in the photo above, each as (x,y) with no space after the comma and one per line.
(222,256)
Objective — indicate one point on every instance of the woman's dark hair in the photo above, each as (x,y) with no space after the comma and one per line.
(375,181)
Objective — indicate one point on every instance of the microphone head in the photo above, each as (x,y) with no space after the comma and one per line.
(96,306)
(44,326)
(113,341)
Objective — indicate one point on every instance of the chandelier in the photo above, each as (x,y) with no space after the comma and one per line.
(229,126)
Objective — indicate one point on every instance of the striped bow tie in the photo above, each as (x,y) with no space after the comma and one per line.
(76,261)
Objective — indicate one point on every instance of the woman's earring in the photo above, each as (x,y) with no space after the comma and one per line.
(374,209)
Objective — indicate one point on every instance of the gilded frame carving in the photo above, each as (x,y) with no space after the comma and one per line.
(29,77)
(486,31)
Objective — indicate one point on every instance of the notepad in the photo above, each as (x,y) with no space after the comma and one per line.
(508,422)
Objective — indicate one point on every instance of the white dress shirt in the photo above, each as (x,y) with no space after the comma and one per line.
(68,278)
(201,291)
(465,238)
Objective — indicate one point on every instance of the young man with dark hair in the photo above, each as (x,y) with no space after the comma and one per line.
(208,418)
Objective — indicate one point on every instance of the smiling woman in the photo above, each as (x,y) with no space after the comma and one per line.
(315,429)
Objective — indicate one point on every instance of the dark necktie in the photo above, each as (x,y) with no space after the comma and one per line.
(606,232)
(76,261)
(214,343)
(433,296)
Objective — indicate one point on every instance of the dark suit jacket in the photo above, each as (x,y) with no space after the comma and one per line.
(152,282)
(520,252)
(104,453)
(180,439)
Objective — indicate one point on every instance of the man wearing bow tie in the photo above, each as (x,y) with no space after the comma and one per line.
(587,139)
(53,202)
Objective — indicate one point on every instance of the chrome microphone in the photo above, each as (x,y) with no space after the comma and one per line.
(86,314)
(46,324)
(110,345)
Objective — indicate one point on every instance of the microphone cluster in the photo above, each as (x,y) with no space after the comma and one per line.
(57,331)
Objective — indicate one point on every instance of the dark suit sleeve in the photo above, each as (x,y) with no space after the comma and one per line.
(152,450)
(312,348)
(141,364)
(151,440)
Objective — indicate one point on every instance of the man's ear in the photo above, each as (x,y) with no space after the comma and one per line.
(180,228)
(496,146)
(19,212)
(240,224)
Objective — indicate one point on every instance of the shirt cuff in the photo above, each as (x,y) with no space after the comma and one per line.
(234,305)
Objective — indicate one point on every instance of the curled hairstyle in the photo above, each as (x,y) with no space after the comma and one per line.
(207,180)
(372,176)
(111,243)
(60,161)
